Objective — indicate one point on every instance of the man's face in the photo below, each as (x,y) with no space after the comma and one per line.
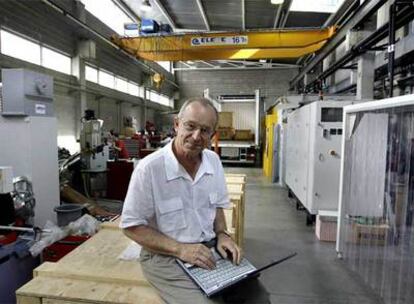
(194,129)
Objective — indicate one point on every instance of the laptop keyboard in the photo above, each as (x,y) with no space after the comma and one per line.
(225,271)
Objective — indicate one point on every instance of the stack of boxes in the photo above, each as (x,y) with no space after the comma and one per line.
(227,132)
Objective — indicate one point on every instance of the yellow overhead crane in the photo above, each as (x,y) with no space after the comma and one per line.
(226,45)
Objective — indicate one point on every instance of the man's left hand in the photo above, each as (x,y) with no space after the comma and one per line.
(226,246)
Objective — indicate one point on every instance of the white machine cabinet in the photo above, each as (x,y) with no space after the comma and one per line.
(313,148)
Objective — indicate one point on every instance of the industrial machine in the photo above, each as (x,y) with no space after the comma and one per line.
(94,153)
(313,154)
(28,133)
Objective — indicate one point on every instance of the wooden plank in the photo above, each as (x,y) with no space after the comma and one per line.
(236,174)
(111,225)
(235,189)
(96,260)
(56,301)
(28,300)
(235,180)
(52,290)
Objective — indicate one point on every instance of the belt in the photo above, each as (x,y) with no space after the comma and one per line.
(210,244)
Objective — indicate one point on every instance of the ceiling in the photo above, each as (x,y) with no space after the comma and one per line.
(225,15)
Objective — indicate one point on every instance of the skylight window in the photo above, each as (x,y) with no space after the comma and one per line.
(109,13)
(56,61)
(106,79)
(133,89)
(91,74)
(321,6)
(165,64)
(121,85)
(18,47)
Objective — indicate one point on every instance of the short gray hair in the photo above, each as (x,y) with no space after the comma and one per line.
(203,101)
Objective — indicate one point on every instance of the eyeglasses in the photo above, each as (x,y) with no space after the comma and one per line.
(190,126)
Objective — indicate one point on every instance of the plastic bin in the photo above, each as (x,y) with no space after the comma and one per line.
(68,213)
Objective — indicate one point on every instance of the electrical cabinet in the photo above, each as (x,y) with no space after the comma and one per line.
(313,146)
(26,93)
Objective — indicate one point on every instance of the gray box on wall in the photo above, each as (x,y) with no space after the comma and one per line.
(26,93)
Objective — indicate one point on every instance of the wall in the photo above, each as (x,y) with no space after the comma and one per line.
(271,83)
(42,23)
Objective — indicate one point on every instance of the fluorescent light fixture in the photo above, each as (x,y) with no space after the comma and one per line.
(276,1)
(321,6)
(262,60)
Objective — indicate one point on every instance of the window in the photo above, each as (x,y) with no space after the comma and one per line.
(164,100)
(165,64)
(142,92)
(121,85)
(106,79)
(159,98)
(18,47)
(133,89)
(109,13)
(56,61)
(91,74)
(31,51)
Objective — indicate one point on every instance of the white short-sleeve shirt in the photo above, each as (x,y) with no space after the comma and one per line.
(162,194)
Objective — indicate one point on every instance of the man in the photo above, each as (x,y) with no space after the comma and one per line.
(174,205)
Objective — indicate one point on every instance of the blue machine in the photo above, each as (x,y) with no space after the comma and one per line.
(149,26)
(16,269)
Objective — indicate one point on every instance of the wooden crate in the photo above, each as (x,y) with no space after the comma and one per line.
(225,133)
(243,135)
(225,120)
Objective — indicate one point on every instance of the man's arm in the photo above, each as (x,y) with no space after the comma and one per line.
(157,242)
(225,242)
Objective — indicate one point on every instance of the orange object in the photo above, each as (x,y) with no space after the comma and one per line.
(123,153)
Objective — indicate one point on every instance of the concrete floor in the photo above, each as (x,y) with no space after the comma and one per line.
(273,229)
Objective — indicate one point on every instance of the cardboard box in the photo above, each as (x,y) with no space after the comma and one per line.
(243,135)
(225,120)
(369,234)
(225,133)
(325,228)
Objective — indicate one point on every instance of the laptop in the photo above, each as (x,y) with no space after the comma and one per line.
(225,274)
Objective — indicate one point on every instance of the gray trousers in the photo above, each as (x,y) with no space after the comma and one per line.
(175,286)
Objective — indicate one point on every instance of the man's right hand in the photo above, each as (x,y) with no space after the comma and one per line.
(197,254)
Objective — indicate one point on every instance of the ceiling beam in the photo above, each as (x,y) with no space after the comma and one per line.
(127,10)
(207,63)
(286,5)
(243,7)
(277,16)
(244,68)
(165,14)
(203,14)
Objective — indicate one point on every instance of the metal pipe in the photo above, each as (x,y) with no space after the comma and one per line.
(391,48)
(203,14)
(243,7)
